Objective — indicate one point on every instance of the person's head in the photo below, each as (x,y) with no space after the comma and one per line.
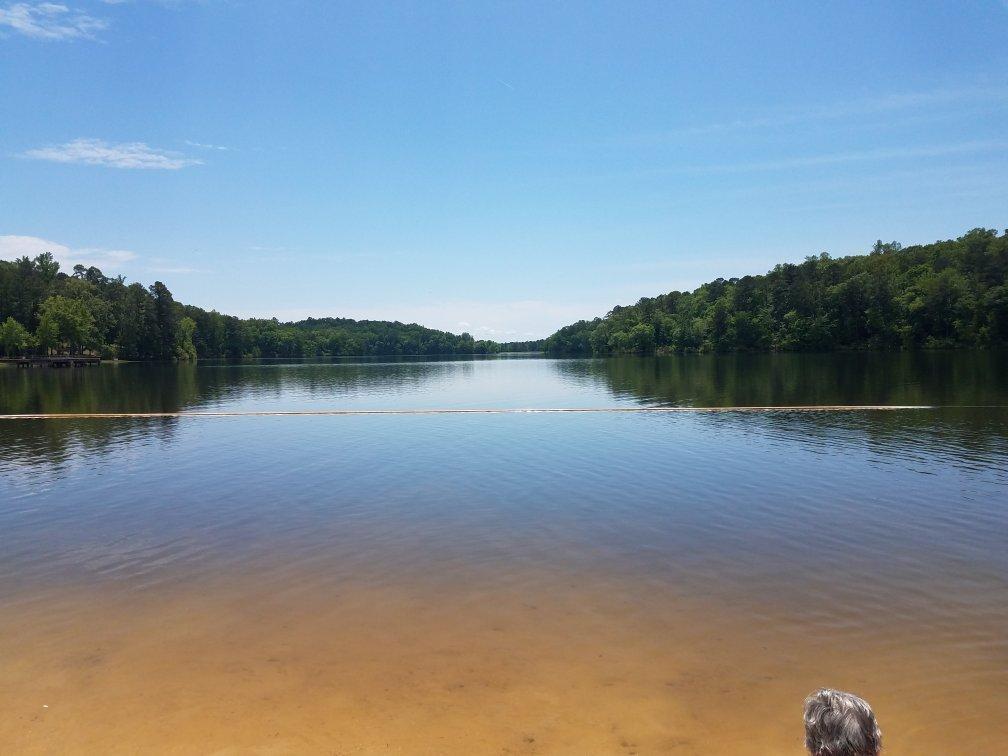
(840,724)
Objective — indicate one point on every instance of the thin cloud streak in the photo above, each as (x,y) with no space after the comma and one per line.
(898,153)
(204,146)
(797,115)
(810,161)
(128,155)
(52,21)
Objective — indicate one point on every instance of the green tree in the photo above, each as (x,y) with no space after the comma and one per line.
(167,320)
(184,347)
(946,294)
(47,334)
(14,337)
(70,321)
(642,338)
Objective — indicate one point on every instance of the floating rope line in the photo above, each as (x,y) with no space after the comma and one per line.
(466,411)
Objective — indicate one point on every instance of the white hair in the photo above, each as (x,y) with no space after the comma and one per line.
(840,724)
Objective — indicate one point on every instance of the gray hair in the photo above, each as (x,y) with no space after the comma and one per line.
(840,724)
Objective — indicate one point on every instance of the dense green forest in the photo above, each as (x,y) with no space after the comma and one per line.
(43,309)
(943,295)
(950,294)
(536,345)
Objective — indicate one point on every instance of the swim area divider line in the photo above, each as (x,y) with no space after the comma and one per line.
(470,411)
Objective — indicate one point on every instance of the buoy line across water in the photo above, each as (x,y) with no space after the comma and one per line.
(483,411)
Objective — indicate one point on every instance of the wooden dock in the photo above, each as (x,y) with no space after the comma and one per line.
(70,361)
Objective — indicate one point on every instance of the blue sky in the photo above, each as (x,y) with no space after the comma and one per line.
(500,168)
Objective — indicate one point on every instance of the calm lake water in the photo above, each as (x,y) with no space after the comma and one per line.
(503,583)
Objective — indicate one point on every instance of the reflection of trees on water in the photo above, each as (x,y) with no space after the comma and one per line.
(946,378)
(968,438)
(145,387)
(137,387)
(51,444)
(936,378)
(784,379)
(231,383)
(110,388)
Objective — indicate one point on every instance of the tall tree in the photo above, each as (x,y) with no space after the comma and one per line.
(70,321)
(14,338)
(167,320)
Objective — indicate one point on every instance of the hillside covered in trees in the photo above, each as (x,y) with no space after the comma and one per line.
(44,309)
(950,294)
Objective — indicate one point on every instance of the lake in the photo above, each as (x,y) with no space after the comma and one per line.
(597,582)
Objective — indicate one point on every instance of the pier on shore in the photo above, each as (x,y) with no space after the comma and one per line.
(71,361)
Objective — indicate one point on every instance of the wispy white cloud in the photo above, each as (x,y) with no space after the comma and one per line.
(896,153)
(169,3)
(53,21)
(12,247)
(884,104)
(879,155)
(204,146)
(125,155)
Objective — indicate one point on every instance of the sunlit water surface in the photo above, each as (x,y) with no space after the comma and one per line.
(530,583)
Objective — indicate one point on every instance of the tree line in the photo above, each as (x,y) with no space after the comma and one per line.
(535,345)
(950,294)
(44,310)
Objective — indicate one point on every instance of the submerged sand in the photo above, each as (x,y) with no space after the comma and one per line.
(282,662)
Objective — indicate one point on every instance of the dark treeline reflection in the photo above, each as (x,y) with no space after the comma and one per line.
(729,380)
(49,445)
(740,380)
(109,388)
(971,425)
(970,438)
(956,379)
(174,387)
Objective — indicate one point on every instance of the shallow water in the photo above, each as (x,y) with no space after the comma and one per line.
(530,583)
